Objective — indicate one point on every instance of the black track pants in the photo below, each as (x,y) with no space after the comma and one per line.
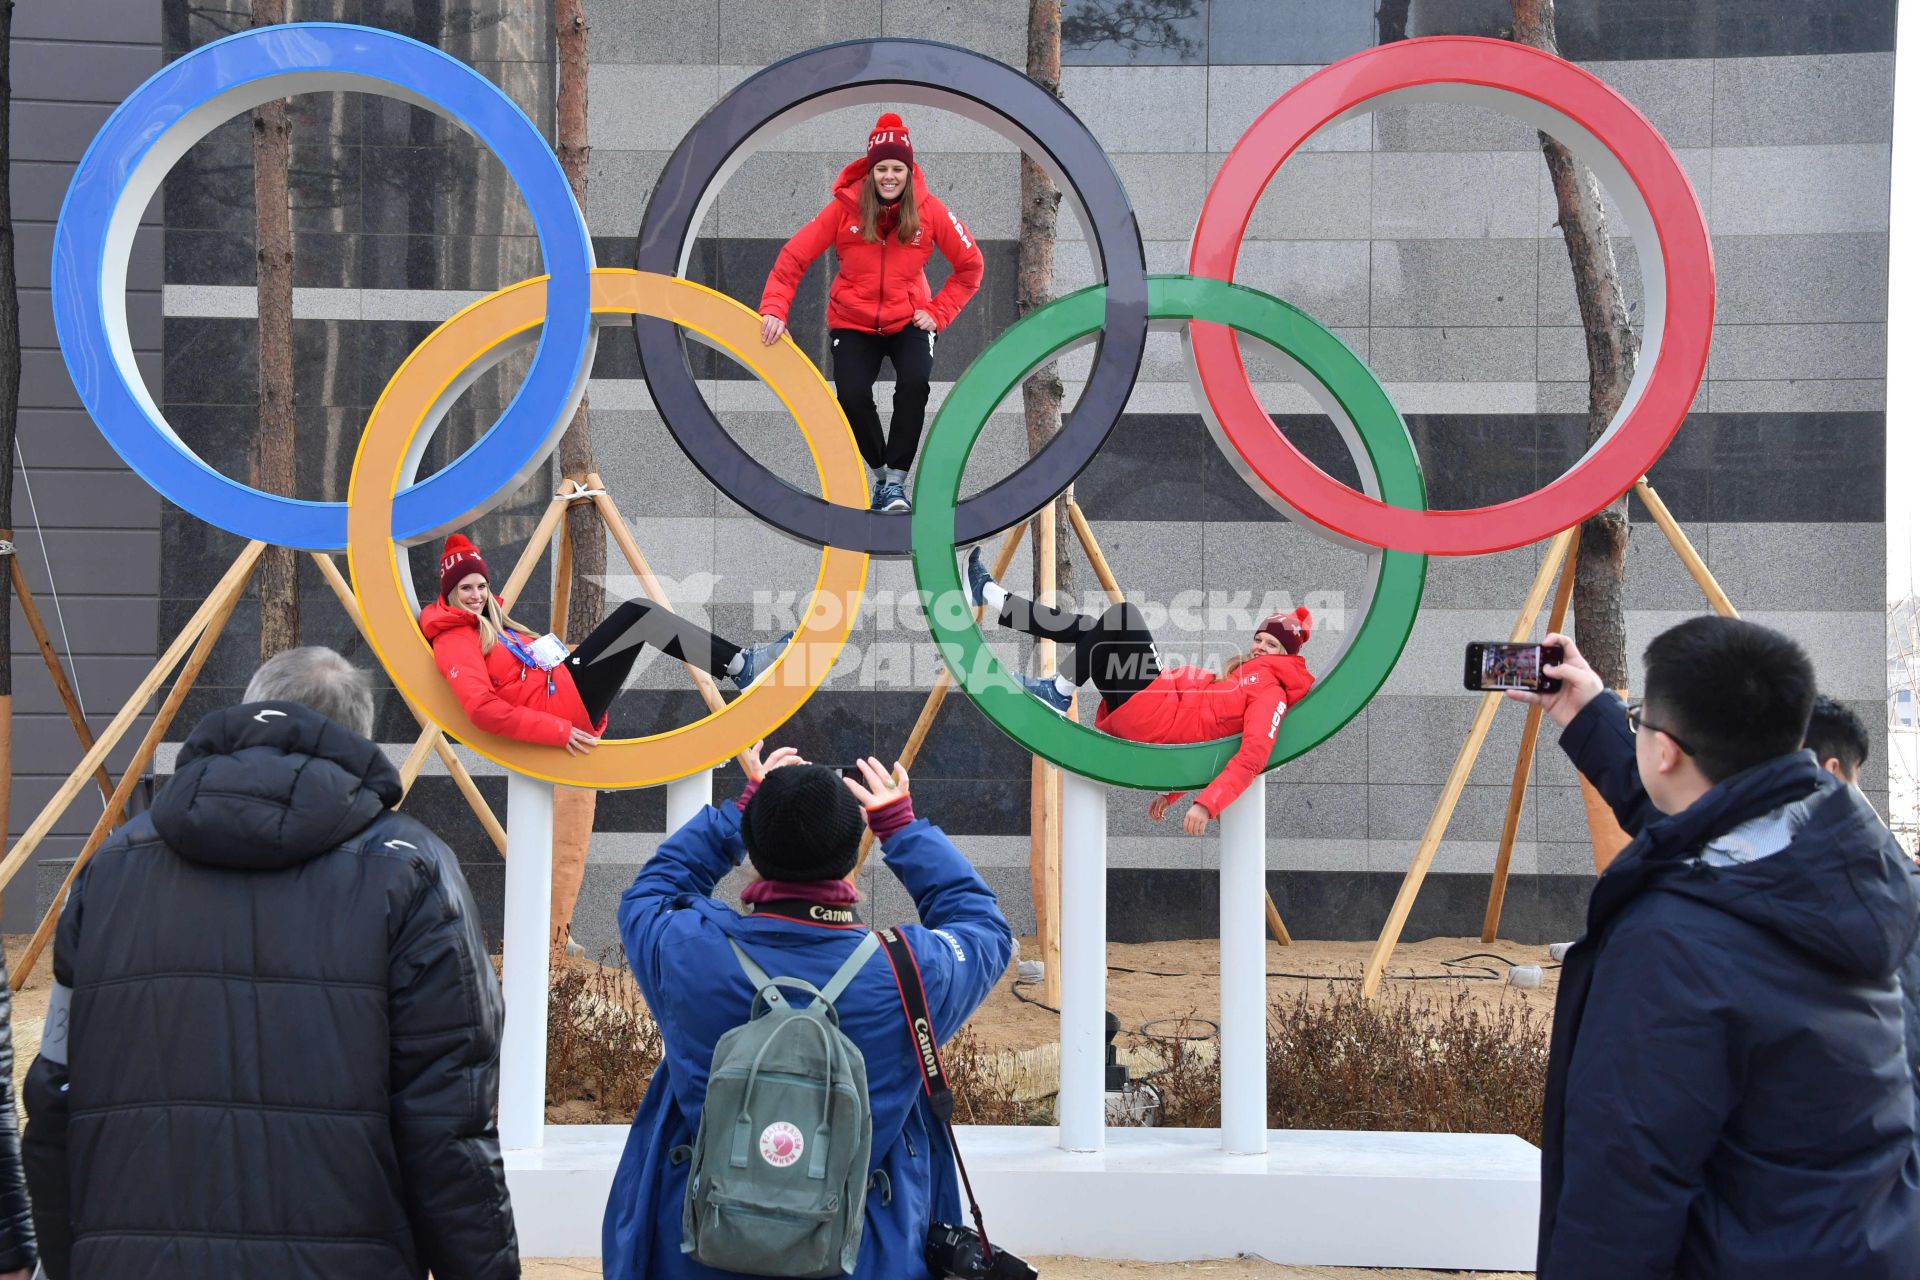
(856,364)
(1115,650)
(601,663)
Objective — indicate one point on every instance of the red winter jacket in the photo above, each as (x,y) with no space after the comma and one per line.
(878,286)
(501,694)
(1191,704)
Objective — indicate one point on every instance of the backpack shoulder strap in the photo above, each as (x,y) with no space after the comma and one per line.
(847,972)
(762,984)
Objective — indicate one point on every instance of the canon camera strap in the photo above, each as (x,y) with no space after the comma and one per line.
(926,1051)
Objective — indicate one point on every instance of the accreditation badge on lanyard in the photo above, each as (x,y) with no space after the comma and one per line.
(527,658)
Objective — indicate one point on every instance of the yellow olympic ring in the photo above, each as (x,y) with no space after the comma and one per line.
(445,363)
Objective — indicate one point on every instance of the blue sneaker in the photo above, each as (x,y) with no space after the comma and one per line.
(754,662)
(891,498)
(978,579)
(1044,688)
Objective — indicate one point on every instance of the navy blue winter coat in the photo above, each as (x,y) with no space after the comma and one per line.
(1729,1094)
(676,939)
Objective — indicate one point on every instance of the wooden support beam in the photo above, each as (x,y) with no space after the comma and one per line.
(562,583)
(536,549)
(1683,546)
(142,757)
(1043,810)
(1457,779)
(469,790)
(637,561)
(432,737)
(238,572)
(1101,569)
(1529,742)
(942,685)
(58,672)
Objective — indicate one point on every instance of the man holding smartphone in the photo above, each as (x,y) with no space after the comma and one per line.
(1728,1091)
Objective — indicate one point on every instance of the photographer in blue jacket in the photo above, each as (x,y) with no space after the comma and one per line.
(800,826)
(1727,1091)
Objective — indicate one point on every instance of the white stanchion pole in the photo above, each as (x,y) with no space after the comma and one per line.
(687,797)
(1243,973)
(1083,963)
(523,1049)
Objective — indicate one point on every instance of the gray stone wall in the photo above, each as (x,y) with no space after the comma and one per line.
(1424,238)
(87,529)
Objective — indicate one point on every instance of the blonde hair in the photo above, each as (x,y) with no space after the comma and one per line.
(1238,661)
(493,623)
(870,206)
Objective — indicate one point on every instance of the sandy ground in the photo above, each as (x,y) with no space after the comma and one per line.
(1101,1269)
(1154,985)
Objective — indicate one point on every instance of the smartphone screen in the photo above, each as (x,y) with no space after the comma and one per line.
(1495,664)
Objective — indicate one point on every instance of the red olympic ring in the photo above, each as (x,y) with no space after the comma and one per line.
(1639,170)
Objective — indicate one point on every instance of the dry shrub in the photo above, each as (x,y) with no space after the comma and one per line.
(1399,1062)
(986,1090)
(602,1046)
(1402,1062)
(1335,1060)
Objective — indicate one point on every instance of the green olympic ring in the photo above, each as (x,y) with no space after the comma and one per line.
(1351,392)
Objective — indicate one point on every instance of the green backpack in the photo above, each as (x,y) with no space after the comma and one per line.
(779,1178)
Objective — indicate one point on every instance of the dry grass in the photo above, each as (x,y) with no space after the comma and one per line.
(1335,1060)
(602,1046)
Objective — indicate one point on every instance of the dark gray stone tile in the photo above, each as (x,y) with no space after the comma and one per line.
(1759,28)
(1288,31)
(1110,33)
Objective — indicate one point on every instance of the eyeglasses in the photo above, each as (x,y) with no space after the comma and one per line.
(1636,722)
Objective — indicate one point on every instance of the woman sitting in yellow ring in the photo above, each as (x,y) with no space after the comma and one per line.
(510,684)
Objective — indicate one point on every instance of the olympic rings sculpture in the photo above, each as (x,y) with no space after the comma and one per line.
(387,510)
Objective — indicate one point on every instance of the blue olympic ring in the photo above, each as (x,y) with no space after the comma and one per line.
(149,132)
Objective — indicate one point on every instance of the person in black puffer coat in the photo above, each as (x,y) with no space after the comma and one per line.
(273,1048)
(1727,1093)
(17,1248)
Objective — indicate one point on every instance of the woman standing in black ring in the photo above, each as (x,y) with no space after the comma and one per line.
(884,224)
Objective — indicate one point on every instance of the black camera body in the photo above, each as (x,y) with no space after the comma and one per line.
(958,1253)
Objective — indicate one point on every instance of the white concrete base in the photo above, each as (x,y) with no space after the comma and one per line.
(1434,1200)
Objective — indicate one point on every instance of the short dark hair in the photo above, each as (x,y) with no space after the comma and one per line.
(1737,693)
(1835,733)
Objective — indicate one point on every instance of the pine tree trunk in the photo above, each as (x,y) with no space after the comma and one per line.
(1599,605)
(278,577)
(1040,394)
(586,594)
(9,406)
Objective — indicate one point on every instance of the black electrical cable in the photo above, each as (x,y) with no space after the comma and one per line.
(1484,975)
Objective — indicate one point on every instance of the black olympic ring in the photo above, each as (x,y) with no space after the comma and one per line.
(925,73)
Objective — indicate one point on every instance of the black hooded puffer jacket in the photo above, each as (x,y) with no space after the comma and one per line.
(284,1042)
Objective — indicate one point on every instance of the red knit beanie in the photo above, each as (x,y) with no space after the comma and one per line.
(458,559)
(1291,629)
(889,141)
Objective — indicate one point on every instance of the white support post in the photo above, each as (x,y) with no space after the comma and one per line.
(686,797)
(1243,973)
(523,1050)
(1083,963)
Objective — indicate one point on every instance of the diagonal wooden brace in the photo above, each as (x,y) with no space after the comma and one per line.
(1457,779)
(215,623)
